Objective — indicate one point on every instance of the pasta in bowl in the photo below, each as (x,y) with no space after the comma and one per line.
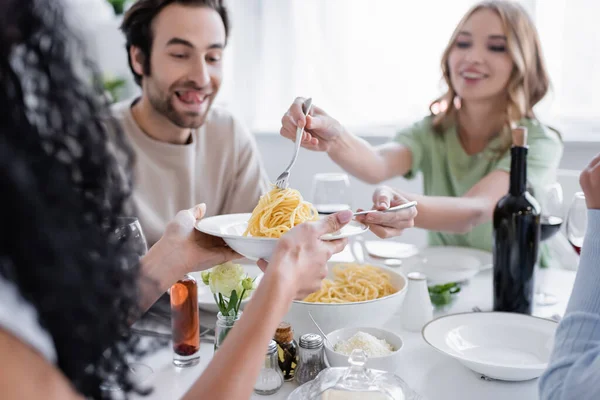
(255,235)
(352,295)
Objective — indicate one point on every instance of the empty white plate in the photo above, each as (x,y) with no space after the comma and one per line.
(390,249)
(231,228)
(449,264)
(504,346)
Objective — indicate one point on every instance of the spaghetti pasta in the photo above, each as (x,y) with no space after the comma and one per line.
(277,212)
(352,283)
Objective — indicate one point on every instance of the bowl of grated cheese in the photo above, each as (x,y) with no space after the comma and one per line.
(381,346)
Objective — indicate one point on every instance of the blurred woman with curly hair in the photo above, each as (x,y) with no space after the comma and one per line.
(68,288)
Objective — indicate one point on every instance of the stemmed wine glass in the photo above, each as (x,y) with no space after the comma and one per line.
(551,221)
(331,193)
(577,221)
(129,233)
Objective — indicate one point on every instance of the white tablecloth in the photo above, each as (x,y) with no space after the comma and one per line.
(427,371)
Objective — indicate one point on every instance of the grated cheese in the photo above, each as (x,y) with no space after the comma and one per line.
(372,346)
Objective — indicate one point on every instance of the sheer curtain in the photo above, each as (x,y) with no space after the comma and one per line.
(375,64)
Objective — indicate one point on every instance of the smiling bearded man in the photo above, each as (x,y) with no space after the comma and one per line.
(187,151)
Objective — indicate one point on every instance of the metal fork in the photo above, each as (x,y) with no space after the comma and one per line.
(282,180)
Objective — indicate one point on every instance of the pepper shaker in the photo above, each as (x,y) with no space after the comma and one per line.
(417,309)
(311,359)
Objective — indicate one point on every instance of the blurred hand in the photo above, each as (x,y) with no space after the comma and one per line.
(195,250)
(300,259)
(590,183)
(320,130)
(386,225)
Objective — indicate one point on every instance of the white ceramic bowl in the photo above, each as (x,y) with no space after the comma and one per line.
(445,264)
(231,228)
(331,317)
(504,346)
(387,363)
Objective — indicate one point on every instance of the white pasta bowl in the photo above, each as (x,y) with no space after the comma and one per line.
(231,228)
(387,363)
(331,317)
(499,345)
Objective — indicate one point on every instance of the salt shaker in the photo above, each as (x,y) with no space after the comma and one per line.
(270,379)
(416,309)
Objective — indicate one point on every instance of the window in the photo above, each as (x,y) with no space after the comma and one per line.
(376,63)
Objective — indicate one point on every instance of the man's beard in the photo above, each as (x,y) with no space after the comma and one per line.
(164,106)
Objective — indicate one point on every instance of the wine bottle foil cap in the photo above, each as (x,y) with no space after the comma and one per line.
(519,136)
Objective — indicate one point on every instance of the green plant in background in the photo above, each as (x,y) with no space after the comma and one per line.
(118,6)
(113,87)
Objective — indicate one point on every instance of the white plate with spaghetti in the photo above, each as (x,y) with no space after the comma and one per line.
(231,228)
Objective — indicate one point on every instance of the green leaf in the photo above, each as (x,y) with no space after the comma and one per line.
(239,303)
(233,300)
(222,305)
(440,299)
(442,294)
(118,6)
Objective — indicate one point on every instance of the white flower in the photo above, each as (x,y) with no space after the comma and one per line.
(226,278)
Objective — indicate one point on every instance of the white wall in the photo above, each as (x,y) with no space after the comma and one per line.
(276,153)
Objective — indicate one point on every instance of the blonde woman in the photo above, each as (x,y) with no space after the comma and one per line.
(495,74)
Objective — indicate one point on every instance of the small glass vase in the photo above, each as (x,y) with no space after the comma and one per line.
(224,325)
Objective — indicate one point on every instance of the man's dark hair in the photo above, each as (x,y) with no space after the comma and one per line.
(137,25)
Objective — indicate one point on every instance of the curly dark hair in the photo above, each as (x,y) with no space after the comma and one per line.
(64,181)
(137,25)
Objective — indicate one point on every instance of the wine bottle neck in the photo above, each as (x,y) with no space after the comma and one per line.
(518,171)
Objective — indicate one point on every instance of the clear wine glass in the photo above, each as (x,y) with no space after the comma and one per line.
(551,221)
(331,193)
(129,232)
(577,221)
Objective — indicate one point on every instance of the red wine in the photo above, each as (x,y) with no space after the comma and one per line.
(184,349)
(516,236)
(576,243)
(331,208)
(550,226)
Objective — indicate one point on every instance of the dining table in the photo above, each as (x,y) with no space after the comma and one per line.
(430,373)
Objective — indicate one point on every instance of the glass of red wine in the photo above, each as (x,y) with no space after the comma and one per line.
(577,221)
(552,211)
(331,193)
(551,221)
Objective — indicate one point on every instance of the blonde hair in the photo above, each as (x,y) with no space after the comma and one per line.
(528,83)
